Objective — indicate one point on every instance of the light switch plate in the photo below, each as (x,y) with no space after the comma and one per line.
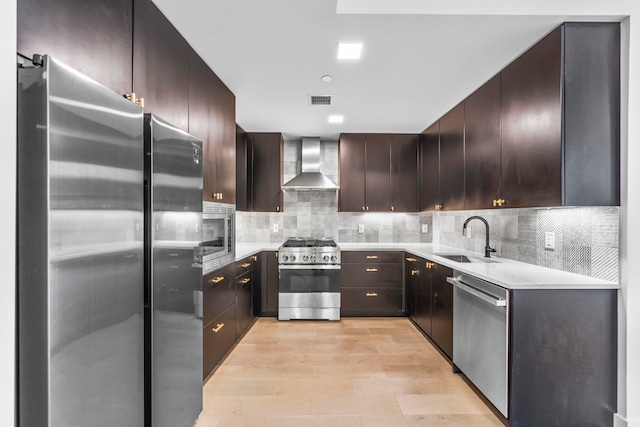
(425,228)
(550,240)
(274,227)
(360,228)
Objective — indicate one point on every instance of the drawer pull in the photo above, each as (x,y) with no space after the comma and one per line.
(246,264)
(411,259)
(371,294)
(217,280)
(414,272)
(372,256)
(245,281)
(372,270)
(254,258)
(218,327)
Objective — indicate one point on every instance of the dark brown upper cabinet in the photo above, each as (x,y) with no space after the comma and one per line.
(160,65)
(452,159)
(352,172)
(378,172)
(482,145)
(243,171)
(93,37)
(403,179)
(430,168)
(266,167)
(561,120)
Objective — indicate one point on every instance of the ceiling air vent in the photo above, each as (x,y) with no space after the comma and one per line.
(320,99)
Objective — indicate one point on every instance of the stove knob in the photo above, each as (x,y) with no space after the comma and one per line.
(292,258)
(305,258)
(325,258)
(285,258)
(334,258)
(313,258)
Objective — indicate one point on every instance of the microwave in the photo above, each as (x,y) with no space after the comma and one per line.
(218,236)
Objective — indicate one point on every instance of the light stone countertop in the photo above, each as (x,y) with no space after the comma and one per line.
(506,273)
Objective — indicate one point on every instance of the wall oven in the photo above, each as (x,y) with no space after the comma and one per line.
(218,236)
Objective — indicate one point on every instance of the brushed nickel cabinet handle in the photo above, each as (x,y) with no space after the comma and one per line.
(372,256)
(218,327)
(371,294)
(372,270)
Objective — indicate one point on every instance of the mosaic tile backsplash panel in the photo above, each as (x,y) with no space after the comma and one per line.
(586,239)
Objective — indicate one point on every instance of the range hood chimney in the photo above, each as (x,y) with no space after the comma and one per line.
(310,178)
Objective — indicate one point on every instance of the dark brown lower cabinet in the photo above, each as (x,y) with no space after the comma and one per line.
(371,288)
(218,337)
(244,302)
(269,282)
(442,308)
(218,292)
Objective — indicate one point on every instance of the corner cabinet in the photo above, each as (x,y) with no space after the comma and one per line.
(378,172)
(261,172)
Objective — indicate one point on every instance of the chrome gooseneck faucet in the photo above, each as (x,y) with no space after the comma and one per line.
(487,248)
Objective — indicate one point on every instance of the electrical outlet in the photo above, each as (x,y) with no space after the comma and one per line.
(360,228)
(469,232)
(550,240)
(274,227)
(425,228)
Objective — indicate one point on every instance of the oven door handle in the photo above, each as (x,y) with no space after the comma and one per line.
(309,267)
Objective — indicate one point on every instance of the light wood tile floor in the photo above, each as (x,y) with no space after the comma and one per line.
(359,372)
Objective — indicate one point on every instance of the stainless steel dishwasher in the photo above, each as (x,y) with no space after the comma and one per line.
(480,336)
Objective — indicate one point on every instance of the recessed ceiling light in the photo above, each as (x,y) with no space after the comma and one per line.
(326,78)
(336,118)
(349,50)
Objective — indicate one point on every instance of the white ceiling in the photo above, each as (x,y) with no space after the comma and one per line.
(414,67)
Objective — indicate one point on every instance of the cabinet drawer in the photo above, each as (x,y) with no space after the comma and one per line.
(371,256)
(218,338)
(371,302)
(244,265)
(371,275)
(218,292)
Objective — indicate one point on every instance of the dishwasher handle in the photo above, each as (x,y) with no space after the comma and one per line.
(495,301)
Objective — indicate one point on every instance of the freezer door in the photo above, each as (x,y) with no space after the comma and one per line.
(80,252)
(174,169)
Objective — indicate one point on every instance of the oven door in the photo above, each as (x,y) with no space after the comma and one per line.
(309,278)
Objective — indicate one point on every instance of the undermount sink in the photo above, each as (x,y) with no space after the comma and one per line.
(466,258)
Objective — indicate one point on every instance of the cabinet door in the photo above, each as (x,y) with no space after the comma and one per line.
(266,166)
(452,159)
(244,303)
(243,171)
(378,169)
(411,279)
(430,168)
(222,116)
(442,308)
(531,126)
(200,95)
(160,65)
(218,337)
(93,37)
(218,292)
(403,178)
(482,146)
(424,299)
(352,172)
(272,284)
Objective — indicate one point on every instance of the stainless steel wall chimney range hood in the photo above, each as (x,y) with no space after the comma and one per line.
(310,178)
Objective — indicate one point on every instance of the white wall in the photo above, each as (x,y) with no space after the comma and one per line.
(7,217)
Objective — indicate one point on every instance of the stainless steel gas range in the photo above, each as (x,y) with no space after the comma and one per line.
(309,271)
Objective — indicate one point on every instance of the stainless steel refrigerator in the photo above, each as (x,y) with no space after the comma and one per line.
(109,213)
(173,291)
(80,252)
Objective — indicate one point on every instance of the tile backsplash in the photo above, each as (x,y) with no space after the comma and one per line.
(586,238)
